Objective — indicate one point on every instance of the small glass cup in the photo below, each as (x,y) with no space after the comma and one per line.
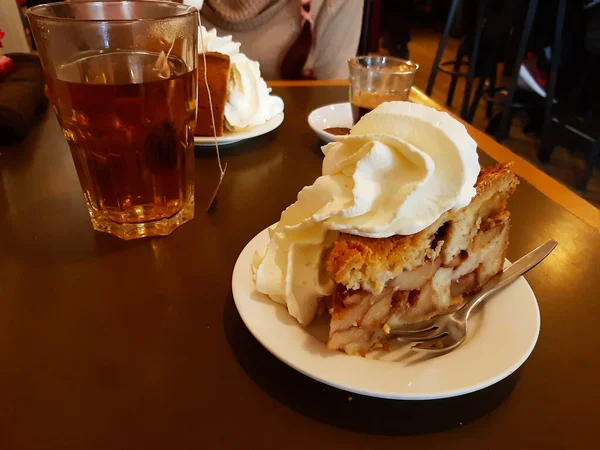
(378,79)
(122,80)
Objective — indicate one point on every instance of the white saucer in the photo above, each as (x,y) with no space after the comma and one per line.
(237,136)
(502,334)
(336,115)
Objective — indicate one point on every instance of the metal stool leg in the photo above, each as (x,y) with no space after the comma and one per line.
(490,67)
(441,47)
(489,108)
(473,59)
(589,165)
(364,34)
(546,146)
(504,127)
(454,78)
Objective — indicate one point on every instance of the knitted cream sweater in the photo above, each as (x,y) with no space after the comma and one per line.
(267,29)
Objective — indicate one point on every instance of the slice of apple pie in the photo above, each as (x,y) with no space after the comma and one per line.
(383,283)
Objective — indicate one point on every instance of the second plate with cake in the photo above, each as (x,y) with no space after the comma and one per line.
(234,101)
(238,136)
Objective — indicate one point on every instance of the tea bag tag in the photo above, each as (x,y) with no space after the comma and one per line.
(222,168)
(162,66)
(162,63)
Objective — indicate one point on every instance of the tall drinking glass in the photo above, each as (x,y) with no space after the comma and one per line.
(122,80)
(378,79)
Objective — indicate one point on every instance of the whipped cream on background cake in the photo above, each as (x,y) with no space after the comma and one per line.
(249,102)
(402,166)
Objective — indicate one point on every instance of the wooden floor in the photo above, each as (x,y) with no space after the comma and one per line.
(566,165)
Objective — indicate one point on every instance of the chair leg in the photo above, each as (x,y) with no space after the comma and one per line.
(489,107)
(364,43)
(490,66)
(546,146)
(454,78)
(589,166)
(506,119)
(464,111)
(441,47)
(476,100)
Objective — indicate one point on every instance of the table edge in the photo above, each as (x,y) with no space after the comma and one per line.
(550,187)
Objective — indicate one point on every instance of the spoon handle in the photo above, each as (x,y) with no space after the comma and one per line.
(504,278)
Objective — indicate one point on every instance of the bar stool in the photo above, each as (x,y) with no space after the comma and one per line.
(546,146)
(501,124)
(587,129)
(506,117)
(455,72)
(564,119)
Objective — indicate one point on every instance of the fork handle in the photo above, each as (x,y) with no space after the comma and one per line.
(504,278)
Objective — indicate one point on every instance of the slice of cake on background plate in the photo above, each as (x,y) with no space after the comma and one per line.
(240,97)
(217,67)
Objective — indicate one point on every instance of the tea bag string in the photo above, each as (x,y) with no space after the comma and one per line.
(222,168)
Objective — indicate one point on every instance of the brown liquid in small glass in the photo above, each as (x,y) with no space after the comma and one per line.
(364,102)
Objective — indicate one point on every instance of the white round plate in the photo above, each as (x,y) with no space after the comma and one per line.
(336,115)
(237,136)
(502,334)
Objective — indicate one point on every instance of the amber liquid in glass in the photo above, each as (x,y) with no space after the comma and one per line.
(364,102)
(130,126)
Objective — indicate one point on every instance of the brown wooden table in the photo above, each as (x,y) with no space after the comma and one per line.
(107,344)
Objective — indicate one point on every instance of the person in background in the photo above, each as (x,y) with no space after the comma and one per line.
(291,39)
(579,58)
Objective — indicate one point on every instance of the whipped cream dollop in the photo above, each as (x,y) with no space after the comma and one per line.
(208,41)
(402,166)
(249,102)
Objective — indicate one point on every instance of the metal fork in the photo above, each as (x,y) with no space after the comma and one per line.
(446,332)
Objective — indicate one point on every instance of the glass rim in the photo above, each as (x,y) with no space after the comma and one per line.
(185,11)
(354,63)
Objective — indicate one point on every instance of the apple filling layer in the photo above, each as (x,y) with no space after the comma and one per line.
(361,320)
